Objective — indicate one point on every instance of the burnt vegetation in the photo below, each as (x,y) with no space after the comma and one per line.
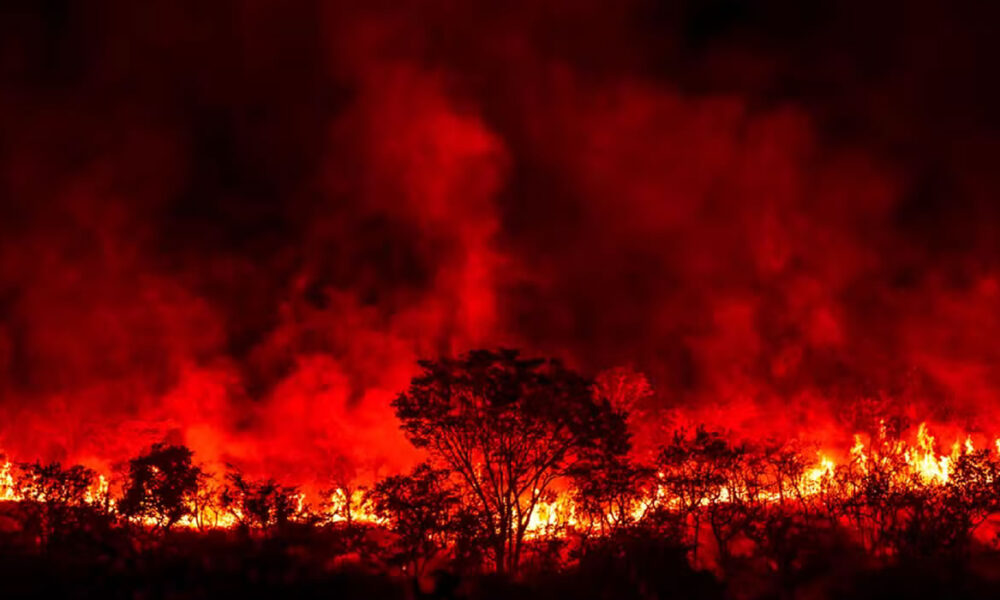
(530,488)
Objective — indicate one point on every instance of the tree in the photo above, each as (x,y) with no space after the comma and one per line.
(971,496)
(345,502)
(508,428)
(624,387)
(347,499)
(698,474)
(631,393)
(161,486)
(785,520)
(206,503)
(260,505)
(421,510)
(612,494)
(54,497)
(938,521)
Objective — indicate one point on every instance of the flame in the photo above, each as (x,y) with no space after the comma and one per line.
(557,513)
(8,487)
(350,506)
(551,517)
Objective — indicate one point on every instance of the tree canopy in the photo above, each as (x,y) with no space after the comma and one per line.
(508,427)
(161,485)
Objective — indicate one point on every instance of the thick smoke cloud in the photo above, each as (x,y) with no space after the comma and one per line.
(237,226)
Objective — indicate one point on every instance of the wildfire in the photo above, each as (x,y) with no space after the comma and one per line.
(823,469)
(348,506)
(551,516)
(8,487)
(917,463)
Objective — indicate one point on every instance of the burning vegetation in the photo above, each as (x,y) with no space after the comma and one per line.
(248,250)
(529,466)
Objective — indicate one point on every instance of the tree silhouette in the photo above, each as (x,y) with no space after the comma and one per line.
(421,510)
(507,427)
(970,497)
(206,503)
(612,493)
(264,505)
(347,498)
(697,473)
(54,497)
(161,485)
(786,524)
(936,521)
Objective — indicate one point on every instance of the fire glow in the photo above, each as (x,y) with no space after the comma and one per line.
(906,465)
(263,266)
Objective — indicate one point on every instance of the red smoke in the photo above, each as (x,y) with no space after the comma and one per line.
(239,227)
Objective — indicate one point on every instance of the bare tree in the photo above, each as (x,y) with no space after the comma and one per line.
(347,498)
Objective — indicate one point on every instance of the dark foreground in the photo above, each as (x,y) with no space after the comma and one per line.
(226,565)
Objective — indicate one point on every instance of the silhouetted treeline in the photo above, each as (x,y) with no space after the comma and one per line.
(531,489)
